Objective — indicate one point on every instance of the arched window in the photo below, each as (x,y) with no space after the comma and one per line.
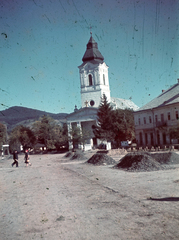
(90,80)
(104,79)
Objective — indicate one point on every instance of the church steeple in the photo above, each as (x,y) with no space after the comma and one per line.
(92,52)
(93,76)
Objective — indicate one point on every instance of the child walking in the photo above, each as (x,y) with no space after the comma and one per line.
(27,158)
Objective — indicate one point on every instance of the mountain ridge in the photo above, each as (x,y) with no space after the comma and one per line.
(15,115)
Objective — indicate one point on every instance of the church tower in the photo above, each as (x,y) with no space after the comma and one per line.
(93,76)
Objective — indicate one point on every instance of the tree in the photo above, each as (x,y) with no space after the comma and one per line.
(49,133)
(123,125)
(61,137)
(114,125)
(21,135)
(174,132)
(104,121)
(44,130)
(3,134)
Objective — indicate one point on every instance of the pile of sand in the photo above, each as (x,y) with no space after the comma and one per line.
(139,162)
(101,159)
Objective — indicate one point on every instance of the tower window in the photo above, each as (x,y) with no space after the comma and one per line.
(92,103)
(90,80)
(104,79)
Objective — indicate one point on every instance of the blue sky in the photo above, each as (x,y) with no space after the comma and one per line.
(42,43)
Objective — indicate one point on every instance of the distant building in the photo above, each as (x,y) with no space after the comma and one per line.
(153,120)
(94,82)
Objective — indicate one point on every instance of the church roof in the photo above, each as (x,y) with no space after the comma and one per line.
(92,52)
(83,114)
(123,104)
(170,96)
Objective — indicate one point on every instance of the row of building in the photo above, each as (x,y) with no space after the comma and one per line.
(152,121)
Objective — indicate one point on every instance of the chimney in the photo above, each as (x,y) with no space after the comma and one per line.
(163,91)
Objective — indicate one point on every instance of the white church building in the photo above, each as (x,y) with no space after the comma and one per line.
(94,83)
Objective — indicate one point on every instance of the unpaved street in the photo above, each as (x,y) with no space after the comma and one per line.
(60,199)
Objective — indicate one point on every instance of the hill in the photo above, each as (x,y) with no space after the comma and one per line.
(14,116)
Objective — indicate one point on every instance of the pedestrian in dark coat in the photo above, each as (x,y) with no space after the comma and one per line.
(15,157)
(27,158)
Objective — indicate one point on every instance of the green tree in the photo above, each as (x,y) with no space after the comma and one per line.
(74,138)
(61,136)
(3,134)
(21,135)
(123,125)
(51,134)
(104,121)
(44,130)
(114,125)
(174,132)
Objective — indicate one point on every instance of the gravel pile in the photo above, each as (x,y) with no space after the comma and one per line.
(101,159)
(68,154)
(78,156)
(166,157)
(139,162)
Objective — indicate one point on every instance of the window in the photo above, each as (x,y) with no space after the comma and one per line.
(168,116)
(104,79)
(92,103)
(150,119)
(156,118)
(144,120)
(162,117)
(139,121)
(176,113)
(90,80)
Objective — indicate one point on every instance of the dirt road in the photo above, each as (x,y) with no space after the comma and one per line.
(60,199)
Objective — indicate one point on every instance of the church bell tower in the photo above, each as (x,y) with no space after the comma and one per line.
(93,76)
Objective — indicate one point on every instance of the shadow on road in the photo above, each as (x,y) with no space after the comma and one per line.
(165,199)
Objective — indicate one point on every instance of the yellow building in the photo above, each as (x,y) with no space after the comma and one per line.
(153,120)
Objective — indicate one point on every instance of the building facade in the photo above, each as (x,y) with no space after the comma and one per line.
(94,82)
(154,120)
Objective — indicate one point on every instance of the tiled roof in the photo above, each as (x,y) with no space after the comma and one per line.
(92,52)
(123,104)
(167,97)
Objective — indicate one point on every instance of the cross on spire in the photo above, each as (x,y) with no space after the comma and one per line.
(86,103)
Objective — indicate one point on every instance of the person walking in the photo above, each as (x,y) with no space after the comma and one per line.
(27,158)
(15,157)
